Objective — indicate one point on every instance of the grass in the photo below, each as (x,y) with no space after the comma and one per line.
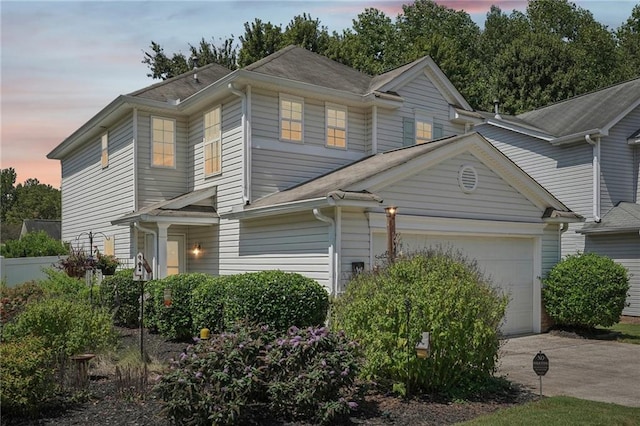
(630,333)
(561,411)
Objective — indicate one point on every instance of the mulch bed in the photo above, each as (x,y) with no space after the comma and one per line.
(104,405)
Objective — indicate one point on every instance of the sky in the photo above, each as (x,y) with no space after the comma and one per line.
(62,62)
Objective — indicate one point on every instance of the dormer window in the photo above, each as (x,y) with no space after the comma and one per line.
(212,142)
(336,122)
(291,125)
(164,142)
(104,152)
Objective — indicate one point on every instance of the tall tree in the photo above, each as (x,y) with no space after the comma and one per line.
(628,38)
(306,32)
(8,195)
(34,200)
(259,40)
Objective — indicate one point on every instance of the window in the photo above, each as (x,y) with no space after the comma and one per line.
(164,142)
(212,142)
(104,153)
(291,118)
(336,118)
(424,129)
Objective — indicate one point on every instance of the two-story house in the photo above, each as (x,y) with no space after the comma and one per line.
(585,151)
(300,163)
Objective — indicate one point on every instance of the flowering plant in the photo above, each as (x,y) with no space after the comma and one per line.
(107,263)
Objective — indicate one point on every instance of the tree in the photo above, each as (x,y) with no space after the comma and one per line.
(7,197)
(628,39)
(259,40)
(308,33)
(34,200)
(163,67)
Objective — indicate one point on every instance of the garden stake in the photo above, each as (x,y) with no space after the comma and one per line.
(407,306)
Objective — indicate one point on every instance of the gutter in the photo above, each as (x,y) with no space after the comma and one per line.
(332,247)
(596,176)
(246,197)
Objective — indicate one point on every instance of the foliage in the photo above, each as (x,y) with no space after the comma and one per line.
(76,263)
(121,295)
(33,244)
(28,200)
(15,299)
(59,284)
(66,326)
(303,375)
(173,321)
(107,263)
(586,290)
(277,299)
(436,291)
(26,374)
(207,303)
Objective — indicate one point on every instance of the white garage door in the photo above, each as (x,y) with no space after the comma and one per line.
(508,261)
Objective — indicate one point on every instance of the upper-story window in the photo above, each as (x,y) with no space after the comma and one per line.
(336,120)
(104,151)
(291,109)
(164,142)
(420,129)
(212,142)
(424,128)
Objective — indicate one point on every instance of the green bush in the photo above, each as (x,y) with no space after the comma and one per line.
(27,375)
(435,291)
(277,299)
(207,304)
(174,321)
(68,327)
(586,290)
(15,299)
(33,244)
(59,284)
(252,373)
(121,294)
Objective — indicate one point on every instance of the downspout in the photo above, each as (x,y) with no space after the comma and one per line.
(135,159)
(154,262)
(245,140)
(332,242)
(596,176)
(374,130)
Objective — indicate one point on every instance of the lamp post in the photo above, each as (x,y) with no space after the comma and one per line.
(391,232)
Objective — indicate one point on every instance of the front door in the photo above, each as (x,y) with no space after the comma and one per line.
(175,254)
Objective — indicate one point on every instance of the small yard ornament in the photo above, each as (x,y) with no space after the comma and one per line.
(423,347)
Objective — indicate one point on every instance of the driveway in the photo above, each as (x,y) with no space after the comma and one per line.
(596,370)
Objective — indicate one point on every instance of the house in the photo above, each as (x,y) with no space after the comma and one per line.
(51,226)
(586,152)
(294,163)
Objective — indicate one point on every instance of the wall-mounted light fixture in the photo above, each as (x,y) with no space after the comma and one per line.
(391,232)
(197,249)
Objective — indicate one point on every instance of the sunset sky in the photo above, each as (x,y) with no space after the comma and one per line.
(62,62)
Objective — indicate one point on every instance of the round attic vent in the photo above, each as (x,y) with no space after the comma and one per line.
(468,178)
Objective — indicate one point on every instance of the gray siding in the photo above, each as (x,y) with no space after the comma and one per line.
(354,242)
(550,248)
(92,196)
(435,192)
(625,250)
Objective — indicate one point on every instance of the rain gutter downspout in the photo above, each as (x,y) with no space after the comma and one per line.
(332,243)
(245,142)
(596,176)
(154,263)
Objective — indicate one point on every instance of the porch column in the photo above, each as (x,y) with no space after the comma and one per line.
(162,249)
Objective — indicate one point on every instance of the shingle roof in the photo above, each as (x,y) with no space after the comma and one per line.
(595,110)
(183,85)
(625,217)
(298,64)
(52,227)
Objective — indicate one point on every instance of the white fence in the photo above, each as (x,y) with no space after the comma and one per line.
(18,270)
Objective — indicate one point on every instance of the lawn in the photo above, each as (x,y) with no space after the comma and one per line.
(630,333)
(562,410)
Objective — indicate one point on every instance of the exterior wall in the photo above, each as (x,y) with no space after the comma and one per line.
(625,250)
(354,243)
(420,94)
(277,165)
(93,196)
(160,183)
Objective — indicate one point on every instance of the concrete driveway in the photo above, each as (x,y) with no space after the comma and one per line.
(596,370)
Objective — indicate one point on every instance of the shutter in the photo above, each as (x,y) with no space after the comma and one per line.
(437,131)
(408,132)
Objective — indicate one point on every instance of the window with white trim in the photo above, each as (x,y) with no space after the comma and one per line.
(212,142)
(291,125)
(104,151)
(164,142)
(336,122)
(424,128)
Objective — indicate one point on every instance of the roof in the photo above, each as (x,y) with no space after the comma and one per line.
(52,227)
(623,218)
(596,110)
(183,85)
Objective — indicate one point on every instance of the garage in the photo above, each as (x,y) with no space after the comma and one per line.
(508,261)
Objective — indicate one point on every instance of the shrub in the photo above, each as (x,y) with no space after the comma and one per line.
(59,284)
(33,244)
(586,290)
(15,299)
(173,321)
(277,299)
(207,303)
(121,294)
(66,326)
(251,372)
(436,291)
(26,374)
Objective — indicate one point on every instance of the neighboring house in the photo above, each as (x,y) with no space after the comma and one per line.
(50,226)
(290,164)
(586,152)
